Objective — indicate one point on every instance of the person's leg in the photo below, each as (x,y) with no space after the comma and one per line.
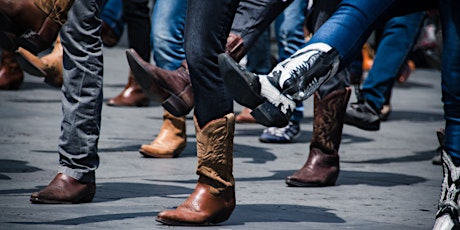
(136,16)
(168,21)
(213,199)
(81,106)
(323,165)
(112,22)
(290,36)
(397,40)
(447,215)
(273,97)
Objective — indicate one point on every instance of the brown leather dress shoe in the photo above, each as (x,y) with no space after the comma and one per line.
(179,96)
(64,190)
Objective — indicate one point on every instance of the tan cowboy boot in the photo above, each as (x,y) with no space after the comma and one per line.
(171,140)
(213,199)
(48,66)
(11,75)
(322,167)
(131,95)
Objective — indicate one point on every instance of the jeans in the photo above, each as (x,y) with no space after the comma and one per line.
(398,38)
(259,56)
(319,14)
(168,22)
(136,14)
(207,27)
(355,20)
(82,91)
(290,36)
(112,14)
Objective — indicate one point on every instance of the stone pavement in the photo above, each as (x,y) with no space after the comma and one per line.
(387,180)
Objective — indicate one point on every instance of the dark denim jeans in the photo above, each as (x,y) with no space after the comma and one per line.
(398,38)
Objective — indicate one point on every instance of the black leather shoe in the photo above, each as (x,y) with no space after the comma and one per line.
(363,116)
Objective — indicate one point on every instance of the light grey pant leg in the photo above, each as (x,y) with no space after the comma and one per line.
(82,91)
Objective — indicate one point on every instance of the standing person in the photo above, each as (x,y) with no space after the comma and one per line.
(75,181)
(328,51)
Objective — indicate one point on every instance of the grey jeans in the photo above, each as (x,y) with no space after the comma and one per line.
(81,91)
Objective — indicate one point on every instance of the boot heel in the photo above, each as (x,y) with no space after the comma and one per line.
(223,216)
(269,115)
(177,105)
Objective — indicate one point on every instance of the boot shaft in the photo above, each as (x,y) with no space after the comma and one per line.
(55,9)
(328,120)
(215,152)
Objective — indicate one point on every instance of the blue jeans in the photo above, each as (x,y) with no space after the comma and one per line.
(112,14)
(290,36)
(355,20)
(259,56)
(82,91)
(168,21)
(398,38)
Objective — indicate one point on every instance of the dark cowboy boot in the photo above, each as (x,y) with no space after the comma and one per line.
(322,167)
(213,199)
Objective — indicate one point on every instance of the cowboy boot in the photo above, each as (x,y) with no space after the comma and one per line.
(44,18)
(180,100)
(176,84)
(64,189)
(48,66)
(273,97)
(447,214)
(170,141)
(11,75)
(131,95)
(322,167)
(213,199)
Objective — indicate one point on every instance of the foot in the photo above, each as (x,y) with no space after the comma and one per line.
(273,97)
(320,170)
(363,116)
(172,88)
(245,117)
(64,190)
(285,134)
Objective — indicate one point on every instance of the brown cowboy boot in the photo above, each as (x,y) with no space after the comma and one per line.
(64,189)
(213,200)
(11,75)
(48,66)
(322,167)
(180,101)
(131,95)
(44,18)
(170,141)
